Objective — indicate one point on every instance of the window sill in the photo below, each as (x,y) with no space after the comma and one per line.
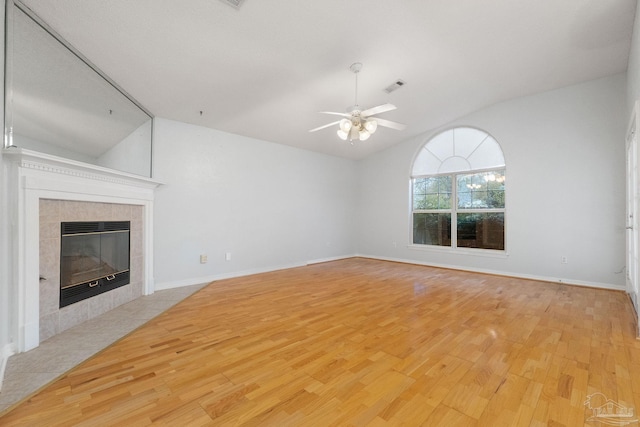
(488,253)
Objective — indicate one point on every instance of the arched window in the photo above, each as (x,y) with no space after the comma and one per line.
(458,177)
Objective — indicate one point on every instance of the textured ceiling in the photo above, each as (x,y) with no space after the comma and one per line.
(265,70)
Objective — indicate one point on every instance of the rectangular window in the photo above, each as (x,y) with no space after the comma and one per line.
(475,204)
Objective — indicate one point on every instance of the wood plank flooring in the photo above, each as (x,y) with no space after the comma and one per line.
(359,342)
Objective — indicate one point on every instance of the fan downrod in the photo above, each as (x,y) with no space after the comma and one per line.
(356,67)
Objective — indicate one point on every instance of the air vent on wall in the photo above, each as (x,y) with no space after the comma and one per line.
(394,86)
(234,3)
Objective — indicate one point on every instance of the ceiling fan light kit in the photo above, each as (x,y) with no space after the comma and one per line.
(356,129)
(371,125)
(345,125)
(357,124)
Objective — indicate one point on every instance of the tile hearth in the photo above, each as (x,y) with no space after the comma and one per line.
(27,372)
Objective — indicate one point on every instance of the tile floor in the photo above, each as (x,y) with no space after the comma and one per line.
(29,371)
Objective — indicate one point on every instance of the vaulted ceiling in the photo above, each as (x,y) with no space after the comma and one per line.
(265,70)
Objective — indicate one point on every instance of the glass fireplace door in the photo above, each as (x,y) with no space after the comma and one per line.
(94,259)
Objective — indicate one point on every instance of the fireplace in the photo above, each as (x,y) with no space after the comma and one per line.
(94,258)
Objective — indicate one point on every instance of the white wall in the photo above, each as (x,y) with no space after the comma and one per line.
(7,294)
(633,95)
(633,70)
(270,205)
(564,151)
(132,154)
(7,303)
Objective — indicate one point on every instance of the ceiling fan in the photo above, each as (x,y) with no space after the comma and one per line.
(359,124)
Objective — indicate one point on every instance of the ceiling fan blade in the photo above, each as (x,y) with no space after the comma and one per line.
(325,126)
(377,110)
(336,114)
(390,124)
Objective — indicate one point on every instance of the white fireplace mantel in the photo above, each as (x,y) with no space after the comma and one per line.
(34,176)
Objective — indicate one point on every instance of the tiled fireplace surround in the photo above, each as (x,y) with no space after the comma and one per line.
(48,190)
(53,319)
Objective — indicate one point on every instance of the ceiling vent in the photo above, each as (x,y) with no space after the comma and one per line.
(234,3)
(394,86)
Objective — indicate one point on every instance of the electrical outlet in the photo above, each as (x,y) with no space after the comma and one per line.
(563,260)
(203,259)
(227,256)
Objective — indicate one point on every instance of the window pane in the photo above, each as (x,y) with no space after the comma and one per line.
(432,193)
(444,201)
(480,230)
(432,229)
(419,186)
(481,190)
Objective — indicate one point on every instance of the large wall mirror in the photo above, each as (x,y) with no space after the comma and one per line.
(58,103)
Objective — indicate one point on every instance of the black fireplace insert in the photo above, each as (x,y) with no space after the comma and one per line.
(94,258)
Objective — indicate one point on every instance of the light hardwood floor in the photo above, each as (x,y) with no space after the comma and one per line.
(359,342)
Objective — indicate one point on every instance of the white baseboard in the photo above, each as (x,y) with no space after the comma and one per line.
(6,351)
(335,258)
(503,273)
(207,279)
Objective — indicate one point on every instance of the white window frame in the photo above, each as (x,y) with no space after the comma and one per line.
(454,211)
